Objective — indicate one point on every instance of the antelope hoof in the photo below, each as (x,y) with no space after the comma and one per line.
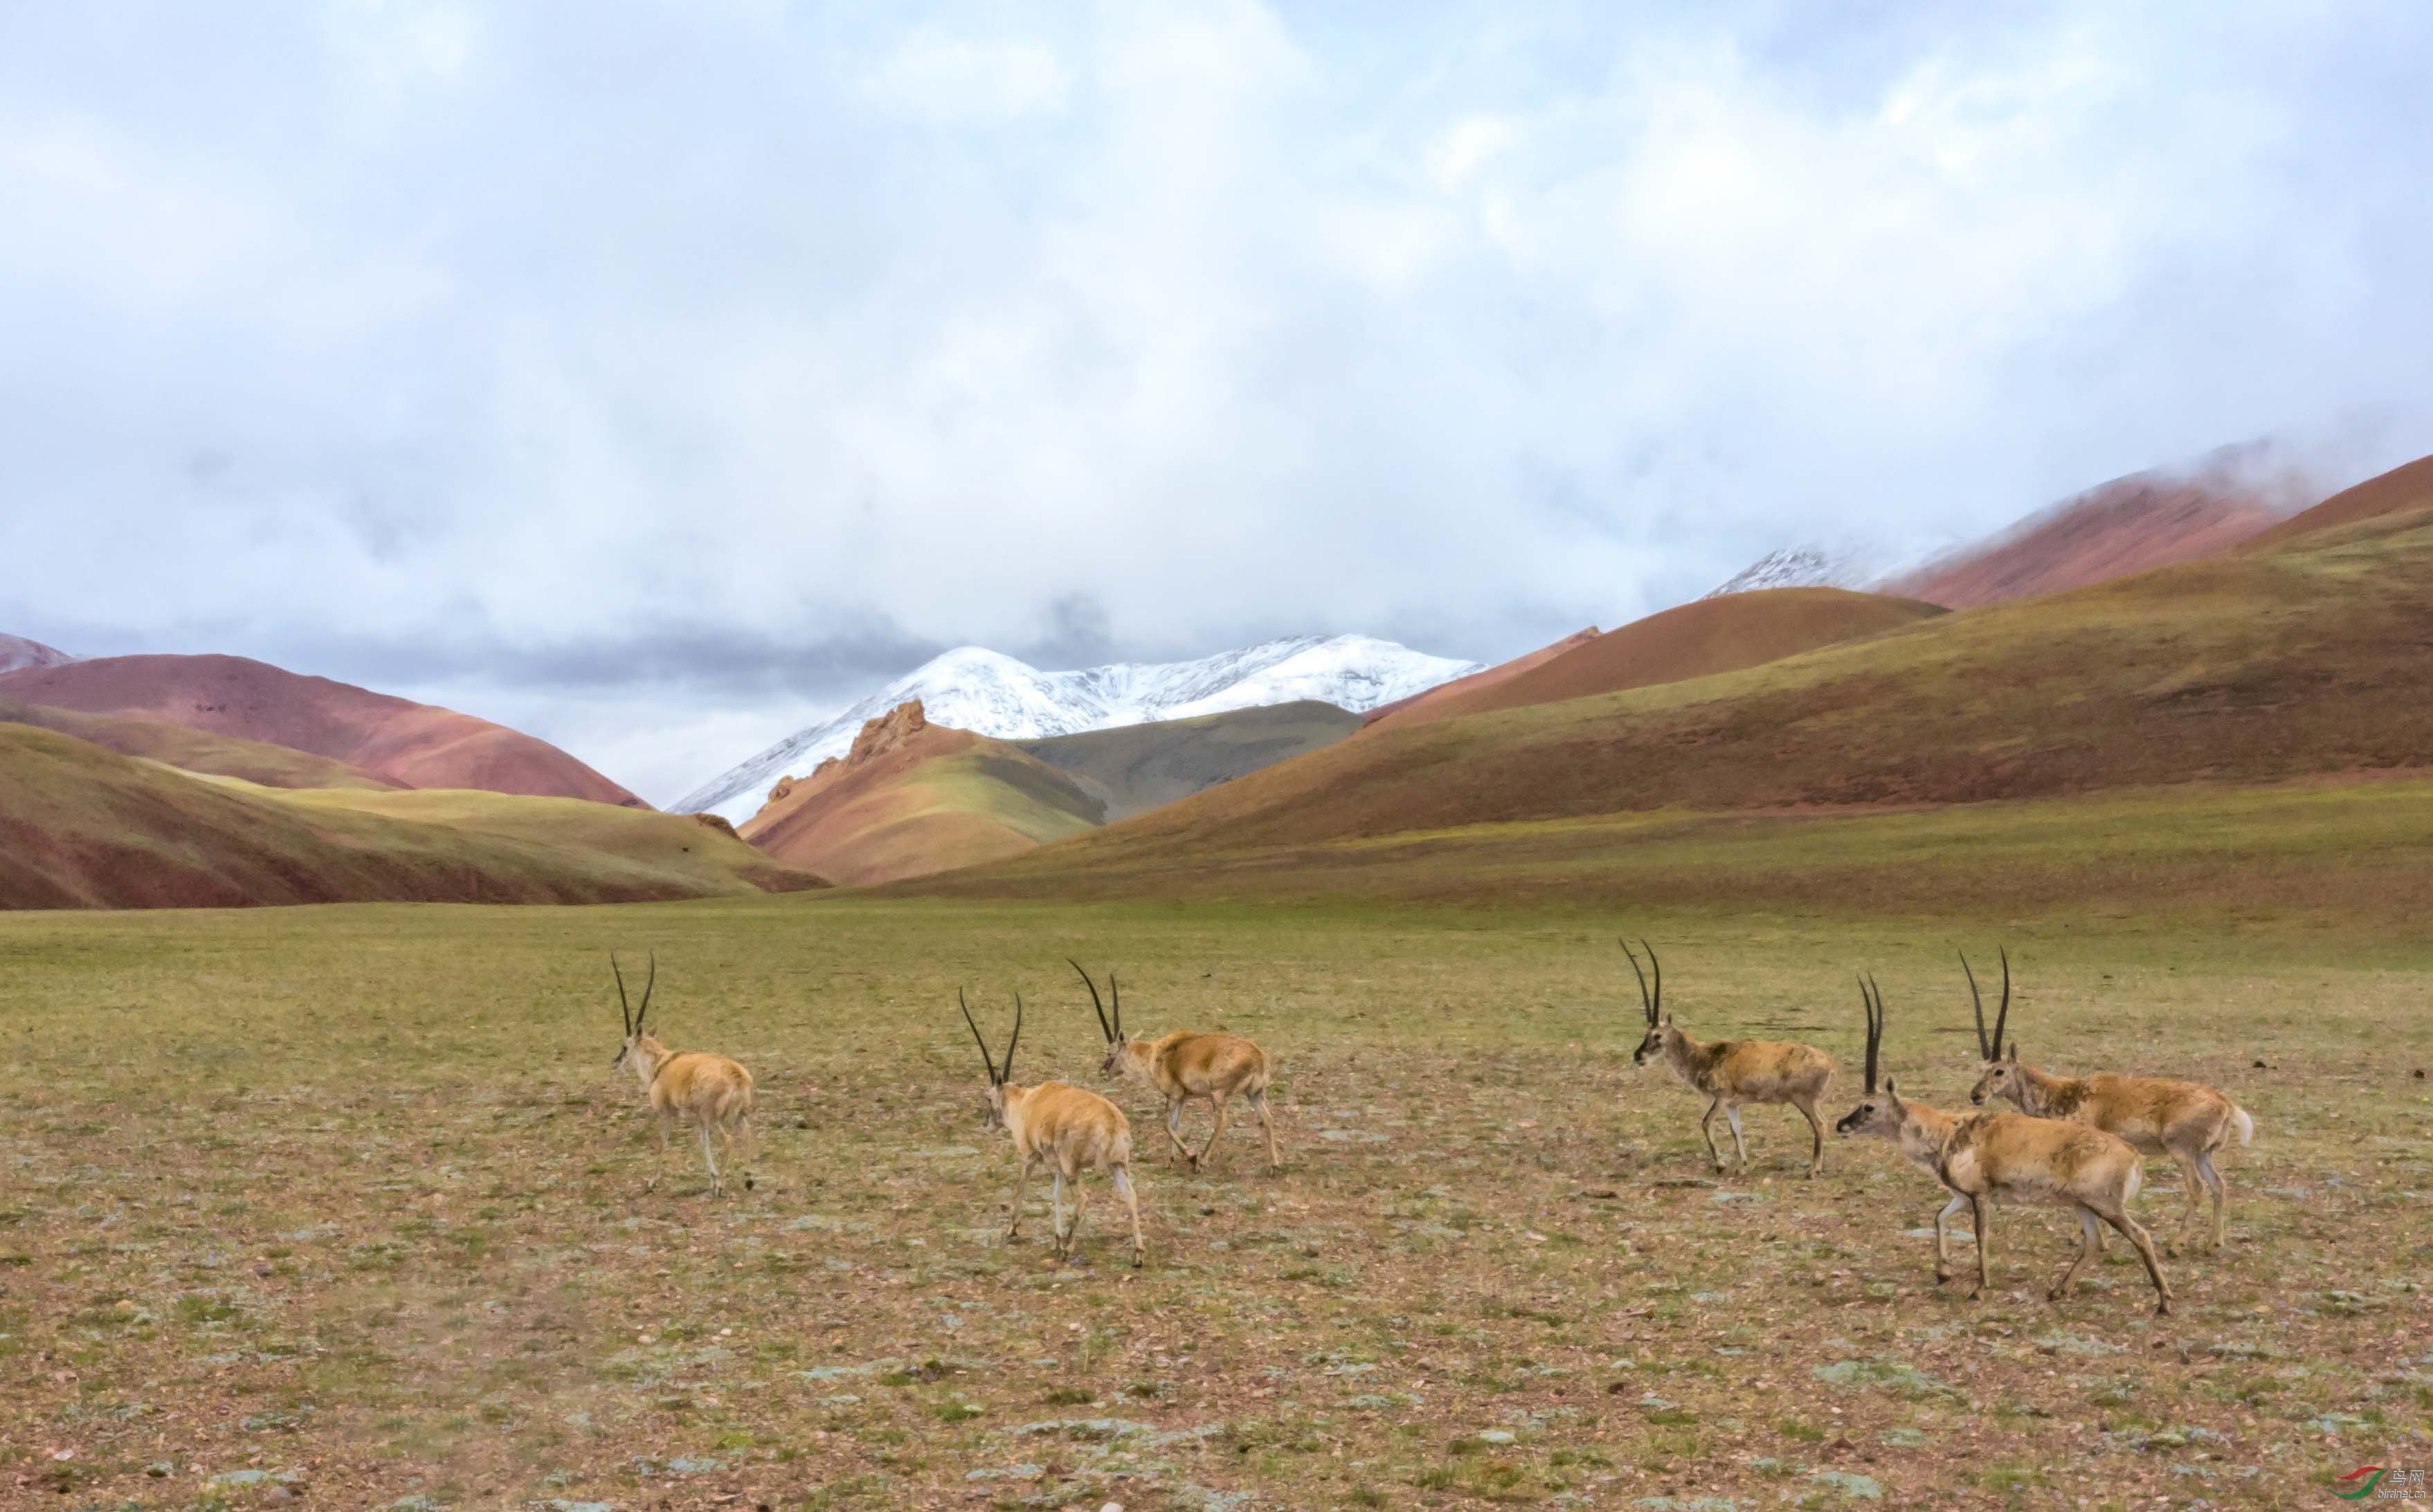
(1139,1259)
(2056,1294)
(2163,1308)
(1943,1277)
(748,1183)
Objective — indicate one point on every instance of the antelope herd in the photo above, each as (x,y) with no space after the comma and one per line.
(2076,1143)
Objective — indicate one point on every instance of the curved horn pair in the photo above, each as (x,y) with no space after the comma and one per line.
(997,1074)
(1990,1050)
(1114,1030)
(633,1015)
(1653,1003)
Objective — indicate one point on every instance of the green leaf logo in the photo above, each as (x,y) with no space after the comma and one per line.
(2367,1477)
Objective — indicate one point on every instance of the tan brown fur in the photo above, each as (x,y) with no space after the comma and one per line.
(1733,1074)
(2011,1158)
(1067,1129)
(2185,1120)
(709,1092)
(1185,1066)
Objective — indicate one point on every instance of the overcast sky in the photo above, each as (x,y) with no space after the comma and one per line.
(657,377)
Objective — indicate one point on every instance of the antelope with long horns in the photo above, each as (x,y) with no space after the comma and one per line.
(1985,1159)
(1915,1130)
(1733,1073)
(2185,1120)
(1184,1065)
(709,1092)
(1063,1127)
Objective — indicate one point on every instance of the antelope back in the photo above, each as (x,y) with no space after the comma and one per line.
(1198,1064)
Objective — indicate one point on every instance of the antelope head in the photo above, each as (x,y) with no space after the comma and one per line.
(1880,1112)
(635,1033)
(994,1110)
(1118,1040)
(1998,1071)
(1651,1004)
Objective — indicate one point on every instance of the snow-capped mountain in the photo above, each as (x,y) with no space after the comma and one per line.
(16,651)
(1815,565)
(989,693)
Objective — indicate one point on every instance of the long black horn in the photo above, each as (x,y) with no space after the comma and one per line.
(1116,991)
(1646,1004)
(624,1008)
(652,982)
(994,1079)
(1005,1073)
(2002,1014)
(1657,1010)
(1867,1007)
(1876,1037)
(1095,1007)
(1984,1051)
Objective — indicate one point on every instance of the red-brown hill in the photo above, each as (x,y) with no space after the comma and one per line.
(413,745)
(1695,639)
(1500,672)
(913,798)
(83,827)
(2129,525)
(2397,492)
(2307,663)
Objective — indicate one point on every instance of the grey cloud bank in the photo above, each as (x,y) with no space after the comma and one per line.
(658,378)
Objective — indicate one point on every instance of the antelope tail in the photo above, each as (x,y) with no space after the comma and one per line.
(2246,1123)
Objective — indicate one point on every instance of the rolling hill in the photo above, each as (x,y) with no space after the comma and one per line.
(1135,768)
(911,798)
(2302,664)
(197,751)
(996,695)
(1501,672)
(16,651)
(2129,525)
(2400,491)
(84,827)
(1695,639)
(399,741)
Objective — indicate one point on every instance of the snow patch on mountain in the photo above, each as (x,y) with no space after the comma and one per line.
(991,693)
(16,651)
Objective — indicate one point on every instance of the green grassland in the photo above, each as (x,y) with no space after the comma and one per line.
(349,1195)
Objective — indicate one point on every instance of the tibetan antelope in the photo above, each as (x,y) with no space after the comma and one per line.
(1063,1127)
(2185,1120)
(1184,1065)
(708,1091)
(1915,1130)
(1733,1072)
(1985,1159)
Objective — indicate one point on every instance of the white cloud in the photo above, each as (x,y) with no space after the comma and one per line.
(569,324)
(949,80)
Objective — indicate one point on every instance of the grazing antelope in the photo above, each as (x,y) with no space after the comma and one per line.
(708,1091)
(1733,1072)
(1062,1127)
(1184,1065)
(2185,1120)
(1915,1130)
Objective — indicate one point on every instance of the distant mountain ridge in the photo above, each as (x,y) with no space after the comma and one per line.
(395,739)
(2132,523)
(16,652)
(988,693)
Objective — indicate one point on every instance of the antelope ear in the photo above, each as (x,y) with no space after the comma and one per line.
(2015,1052)
(1891,1091)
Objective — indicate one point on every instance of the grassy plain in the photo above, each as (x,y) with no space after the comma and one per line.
(348,1195)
